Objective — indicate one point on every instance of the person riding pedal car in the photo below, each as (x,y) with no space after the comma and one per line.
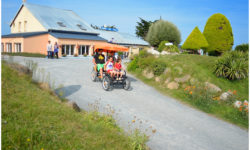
(99,61)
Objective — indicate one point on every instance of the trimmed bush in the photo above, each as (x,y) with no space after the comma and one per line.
(242,47)
(195,40)
(232,65)
(163,31)
(219,35)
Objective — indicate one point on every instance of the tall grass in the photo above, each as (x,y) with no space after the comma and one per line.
(33,118)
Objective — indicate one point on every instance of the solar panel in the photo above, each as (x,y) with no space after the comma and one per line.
(61,24)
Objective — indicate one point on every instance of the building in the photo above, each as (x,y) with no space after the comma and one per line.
(34,25)
(134,44)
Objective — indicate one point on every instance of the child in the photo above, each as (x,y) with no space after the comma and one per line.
(109,66)
(118,68)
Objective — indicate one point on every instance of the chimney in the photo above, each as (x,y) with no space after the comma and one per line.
(24,1)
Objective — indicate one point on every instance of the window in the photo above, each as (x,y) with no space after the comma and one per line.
(13,25)
(9,47)
(19,27)
(2,48)
(18,47)
(61,24)
(68,49)
(25,26)
(81,27)
(83,49)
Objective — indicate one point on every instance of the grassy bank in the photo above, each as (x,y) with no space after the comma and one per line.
(25,54)
(33,118)
(200,69)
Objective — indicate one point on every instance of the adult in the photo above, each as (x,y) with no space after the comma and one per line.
(56,47)
(49,49)
(99,61)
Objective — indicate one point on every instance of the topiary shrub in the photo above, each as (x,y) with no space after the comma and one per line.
(195,40)
(232,65)
(163,31)
(242,47)
(219,35)
(85,54)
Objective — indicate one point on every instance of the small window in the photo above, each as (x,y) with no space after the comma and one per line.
(68,50)
(25,26)
(2,48)
(9,47)
(81,27)
(18,47)
(19,26)
(13,25)
(61,24)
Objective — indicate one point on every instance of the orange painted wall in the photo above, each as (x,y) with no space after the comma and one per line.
(36,44)
(13,41)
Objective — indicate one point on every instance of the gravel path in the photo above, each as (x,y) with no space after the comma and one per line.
(178,127)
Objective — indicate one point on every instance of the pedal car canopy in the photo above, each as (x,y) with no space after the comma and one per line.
(107,47)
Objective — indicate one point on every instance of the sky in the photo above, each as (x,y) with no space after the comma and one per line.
(124,14)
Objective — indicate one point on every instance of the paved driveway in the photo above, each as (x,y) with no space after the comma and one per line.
(178,127)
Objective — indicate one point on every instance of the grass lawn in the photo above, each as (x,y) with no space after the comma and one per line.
(200,68)
(25,54)
(33,118)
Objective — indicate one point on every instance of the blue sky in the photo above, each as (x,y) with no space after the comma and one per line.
(124,13)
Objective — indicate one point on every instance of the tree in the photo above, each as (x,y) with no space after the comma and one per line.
(219,35)
(142,28)
(163,31)
(242,47)
(195,40)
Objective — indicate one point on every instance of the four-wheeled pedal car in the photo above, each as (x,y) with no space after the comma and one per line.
(108,81)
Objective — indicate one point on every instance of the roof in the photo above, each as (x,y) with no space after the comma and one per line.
(58,19)
(76,36)
(58,34)
(26,34)
(121,38)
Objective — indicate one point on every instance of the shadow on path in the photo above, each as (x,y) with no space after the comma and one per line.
(67,90)
(132,79)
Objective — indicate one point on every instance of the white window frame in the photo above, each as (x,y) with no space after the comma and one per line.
(18,47)
(82,51)
(9,47)
(69,46)
(2,47)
